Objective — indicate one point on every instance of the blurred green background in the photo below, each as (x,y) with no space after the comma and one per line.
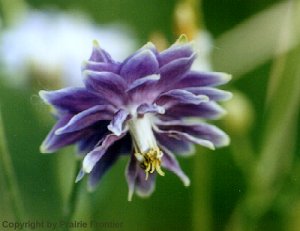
(254,184)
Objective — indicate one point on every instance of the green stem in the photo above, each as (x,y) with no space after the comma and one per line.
(71,204)
(9,175)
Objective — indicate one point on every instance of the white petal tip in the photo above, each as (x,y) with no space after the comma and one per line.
(79,176)
(87,164)
(43,95)
(114,130)
(59,131)
(226,77)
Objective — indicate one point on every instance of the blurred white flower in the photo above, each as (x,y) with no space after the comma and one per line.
(55,42)
(203,44)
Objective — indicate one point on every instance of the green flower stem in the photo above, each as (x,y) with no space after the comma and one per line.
(10,177)
(72,202)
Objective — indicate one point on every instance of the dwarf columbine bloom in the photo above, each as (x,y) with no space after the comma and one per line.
(138,107)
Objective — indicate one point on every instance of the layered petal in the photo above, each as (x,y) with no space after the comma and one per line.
(87,118)
(175,52)
(205,110)
(178,146)
(169,162)
(100,55)
(149,108)
(186,137)
(100,67)
(179,96)
(144,89)
(212,93)
(200,79)
(72,99)
(117,124)
(105,163)
(141,64)
(199,130)
(106,84)
(95,155)
(54,142)
(175,70)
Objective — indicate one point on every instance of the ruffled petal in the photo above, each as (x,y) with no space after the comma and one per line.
(186,137)
(141,64)
(72,99)
(143,187)
(149,108)
(100,67)
(178,146)
(136,179)
(144,89)
(199,130)
(200,79)
(100,55)
(211,93)
(54,142)
(117,125)
(175,52)
(87,118)
(94,156)
(179,96)
(205,110)
(174,70)
(106,84)
(169,162)
(103,165)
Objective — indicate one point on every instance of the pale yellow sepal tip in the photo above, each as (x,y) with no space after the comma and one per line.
(96,43)
(182,39)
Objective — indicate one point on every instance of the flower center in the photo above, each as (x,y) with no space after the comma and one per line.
(145,146)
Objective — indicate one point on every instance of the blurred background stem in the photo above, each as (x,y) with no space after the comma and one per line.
(9,175)
(279,135)
(72,201)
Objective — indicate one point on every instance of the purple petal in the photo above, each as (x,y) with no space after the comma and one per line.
(54,142)
(141,64)
(175,145)
(71,99)
(186,137)
(143,187)
(200,79)
(94,156)
(136,179)
(144,89)
(117,125)
(87,118)
(149,108)
(198,130)
(106,84)
(206,110)
(104,164)
(179,96)
(174,70)
(87,144)
(131,174)
(175,52)
(211,93)
(100,55)
(100,67)
(169,162)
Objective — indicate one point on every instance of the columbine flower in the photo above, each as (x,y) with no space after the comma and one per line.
(138,108)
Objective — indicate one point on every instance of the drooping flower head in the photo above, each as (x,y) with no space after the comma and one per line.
(141,108)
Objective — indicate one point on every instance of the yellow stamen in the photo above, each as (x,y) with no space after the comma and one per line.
(151,161)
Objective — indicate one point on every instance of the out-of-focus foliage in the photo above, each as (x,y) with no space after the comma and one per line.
(251,185)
